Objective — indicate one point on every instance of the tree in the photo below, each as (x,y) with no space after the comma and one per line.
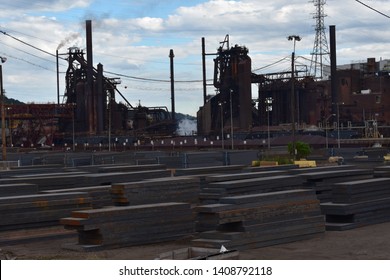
(302,149)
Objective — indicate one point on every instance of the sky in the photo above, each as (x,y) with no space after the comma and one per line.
(132,40)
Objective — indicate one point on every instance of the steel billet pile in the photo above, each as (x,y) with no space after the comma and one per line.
(259,220)
(322,181)
(178,189)
(100,195)
(129,225)
(213,192)
(39,209)
(358,203)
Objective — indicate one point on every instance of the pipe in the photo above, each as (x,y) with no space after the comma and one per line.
(204,70)
(171,56)
(101,101)
(58,79)
(89,89)
(333,68)
(3,135)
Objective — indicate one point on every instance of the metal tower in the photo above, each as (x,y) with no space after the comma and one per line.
(320,53)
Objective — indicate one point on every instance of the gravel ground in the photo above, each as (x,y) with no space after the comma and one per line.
(365,243)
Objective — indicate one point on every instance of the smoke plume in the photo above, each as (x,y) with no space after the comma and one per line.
(71,37)
(186,127)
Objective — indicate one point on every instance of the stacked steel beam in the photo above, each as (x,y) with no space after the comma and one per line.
(100,195)
(358,203)
(39,209)
(177,189)
(208,169)
(18,189)
(259,220)
(129,225)
(213,192)
(322,181)
(76,179)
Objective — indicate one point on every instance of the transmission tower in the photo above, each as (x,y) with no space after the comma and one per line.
(320,54)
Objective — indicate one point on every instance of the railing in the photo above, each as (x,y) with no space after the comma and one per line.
(5,165)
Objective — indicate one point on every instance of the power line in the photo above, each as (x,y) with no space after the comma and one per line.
(270,65)
(112,73)
(29,62)
(152,80)
(375,10)
(21,41)
(36,56)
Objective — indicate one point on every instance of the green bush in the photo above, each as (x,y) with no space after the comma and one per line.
(302,149)
(284,160)
(279,159)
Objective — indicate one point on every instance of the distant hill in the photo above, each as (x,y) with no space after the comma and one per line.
(11,101)
(180,116)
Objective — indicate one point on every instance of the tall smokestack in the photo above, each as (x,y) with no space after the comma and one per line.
(58,79)
(100,101)
(333,68)
(90,99)
(204,70)
(171,56)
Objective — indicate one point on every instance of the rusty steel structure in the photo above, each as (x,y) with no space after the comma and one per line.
(232,105)
(89,108)
(356,98)
(31,125)
(97,110)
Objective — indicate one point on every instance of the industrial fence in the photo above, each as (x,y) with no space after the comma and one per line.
(5,165)
(169,159)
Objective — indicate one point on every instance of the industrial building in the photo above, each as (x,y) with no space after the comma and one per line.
(355,97)
(88,111)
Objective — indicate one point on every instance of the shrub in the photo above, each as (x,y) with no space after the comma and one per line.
(302,149)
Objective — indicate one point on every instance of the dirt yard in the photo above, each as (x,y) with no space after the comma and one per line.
(366,243)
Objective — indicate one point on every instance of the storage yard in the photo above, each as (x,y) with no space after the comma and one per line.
(124,210)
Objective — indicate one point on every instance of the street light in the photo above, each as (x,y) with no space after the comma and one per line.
(326,129)
(3,136)
(338,123)
(293,38)
(268,108)
(223,144)
(231,118)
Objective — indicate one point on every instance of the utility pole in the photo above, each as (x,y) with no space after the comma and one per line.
(231,119)
(293,38)
(3,135)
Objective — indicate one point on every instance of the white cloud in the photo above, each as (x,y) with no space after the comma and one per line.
(151,24)
(139,46)
(45,5)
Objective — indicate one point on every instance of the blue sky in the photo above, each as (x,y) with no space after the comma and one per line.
(133,38)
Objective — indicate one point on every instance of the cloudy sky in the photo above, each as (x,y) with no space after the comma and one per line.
(133,39)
